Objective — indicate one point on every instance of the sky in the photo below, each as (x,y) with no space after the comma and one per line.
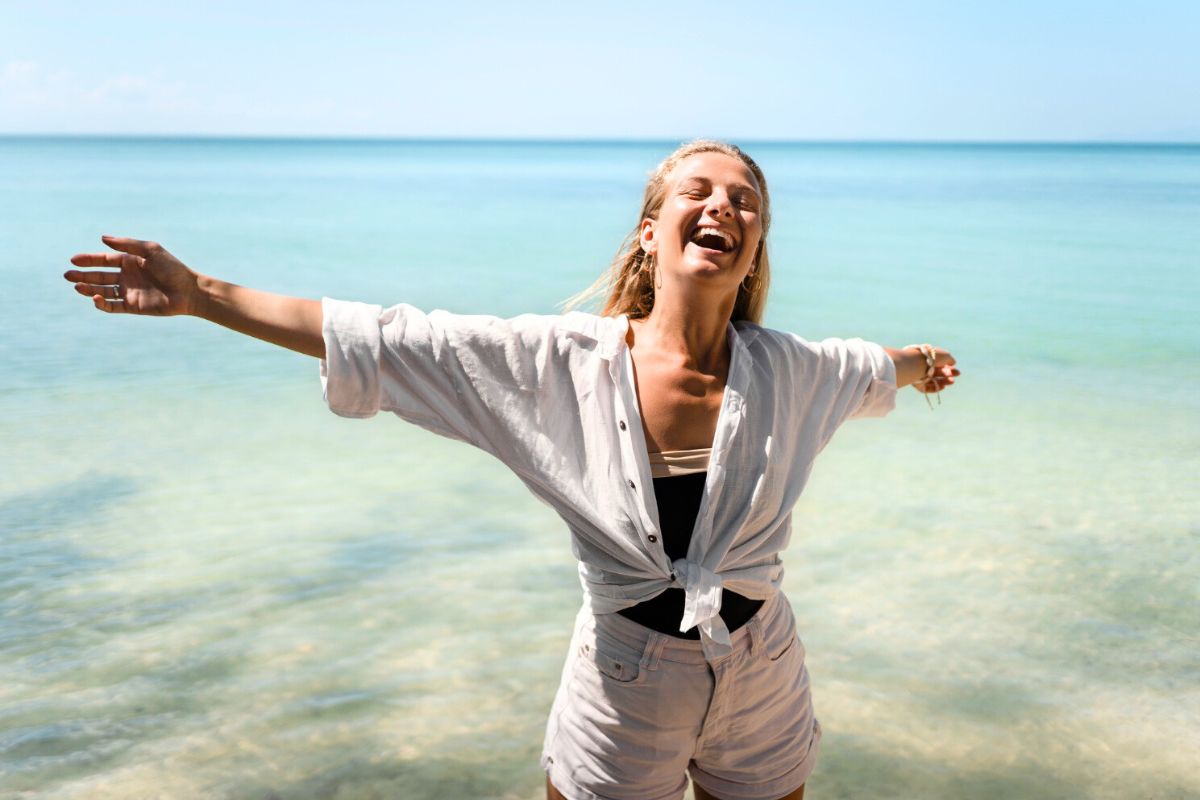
(1051,70)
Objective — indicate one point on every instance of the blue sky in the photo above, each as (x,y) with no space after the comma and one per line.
(965,70)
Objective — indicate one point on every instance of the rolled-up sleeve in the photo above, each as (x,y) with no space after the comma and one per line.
(459,376)
(841,379)
(872,373)
(858,380)
(350,369)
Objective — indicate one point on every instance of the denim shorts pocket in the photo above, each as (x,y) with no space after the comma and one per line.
(615,661)
(781,649)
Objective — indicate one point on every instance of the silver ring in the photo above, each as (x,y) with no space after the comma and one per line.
(117,292)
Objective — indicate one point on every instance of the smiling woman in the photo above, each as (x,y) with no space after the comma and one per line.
(672,433)
(632,284)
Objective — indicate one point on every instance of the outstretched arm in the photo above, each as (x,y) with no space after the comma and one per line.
(911,368)
(149,280)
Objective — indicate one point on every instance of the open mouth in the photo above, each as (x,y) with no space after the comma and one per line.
(713,239)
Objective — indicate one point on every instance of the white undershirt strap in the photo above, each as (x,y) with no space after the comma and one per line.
(672,463)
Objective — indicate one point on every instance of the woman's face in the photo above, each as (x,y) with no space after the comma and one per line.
(710,222)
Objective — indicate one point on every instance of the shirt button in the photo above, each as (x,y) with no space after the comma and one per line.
(652,538)
(621,424)
(631,485)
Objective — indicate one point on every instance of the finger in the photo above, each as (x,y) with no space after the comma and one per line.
(127,245)
(109,306)
(107,292)
(117,260)
(91,276)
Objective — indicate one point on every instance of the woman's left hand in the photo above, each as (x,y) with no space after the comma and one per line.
(944,373)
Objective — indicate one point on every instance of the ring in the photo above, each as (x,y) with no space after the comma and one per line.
(117,291)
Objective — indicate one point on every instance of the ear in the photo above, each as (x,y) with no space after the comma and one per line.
(646,236)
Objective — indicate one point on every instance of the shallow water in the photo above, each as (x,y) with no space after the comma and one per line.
(211,586)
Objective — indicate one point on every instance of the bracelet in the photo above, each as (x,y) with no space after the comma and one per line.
(926,350)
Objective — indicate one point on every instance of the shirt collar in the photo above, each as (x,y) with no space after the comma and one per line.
(613,338)
(610,333)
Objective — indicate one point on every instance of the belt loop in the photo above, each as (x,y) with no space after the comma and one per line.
(654,648)
(756,636)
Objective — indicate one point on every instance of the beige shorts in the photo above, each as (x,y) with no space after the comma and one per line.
(637,711)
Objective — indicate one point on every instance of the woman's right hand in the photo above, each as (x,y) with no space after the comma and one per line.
(148,280)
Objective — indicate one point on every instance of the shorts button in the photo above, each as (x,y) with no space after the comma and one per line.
(652,538)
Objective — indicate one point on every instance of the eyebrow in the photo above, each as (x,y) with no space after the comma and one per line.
(744,186)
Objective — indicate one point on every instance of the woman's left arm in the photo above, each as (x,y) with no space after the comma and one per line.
(912,367)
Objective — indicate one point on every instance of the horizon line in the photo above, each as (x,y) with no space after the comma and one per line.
(594,140)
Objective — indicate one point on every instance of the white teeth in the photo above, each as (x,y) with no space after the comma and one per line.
(725,235)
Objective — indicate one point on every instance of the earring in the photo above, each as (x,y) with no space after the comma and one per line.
(655,276)
(749,277)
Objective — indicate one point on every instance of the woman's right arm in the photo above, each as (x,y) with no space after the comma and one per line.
(495,383)
(149,280)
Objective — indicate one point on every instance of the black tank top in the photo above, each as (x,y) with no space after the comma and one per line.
(678,505)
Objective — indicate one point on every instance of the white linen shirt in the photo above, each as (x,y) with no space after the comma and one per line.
(554,398)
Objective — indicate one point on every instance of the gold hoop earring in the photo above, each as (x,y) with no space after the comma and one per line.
(655,275)
(749,276)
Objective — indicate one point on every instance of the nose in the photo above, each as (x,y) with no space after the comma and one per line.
(719,205)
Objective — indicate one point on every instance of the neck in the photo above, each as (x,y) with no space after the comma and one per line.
(695,328)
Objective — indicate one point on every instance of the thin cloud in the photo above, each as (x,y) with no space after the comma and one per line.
(26,86)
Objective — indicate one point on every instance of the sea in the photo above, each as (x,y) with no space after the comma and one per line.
(213,587)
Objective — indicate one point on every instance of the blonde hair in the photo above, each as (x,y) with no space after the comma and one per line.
(629,282)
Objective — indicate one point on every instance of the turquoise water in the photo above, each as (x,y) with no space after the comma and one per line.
(211,586)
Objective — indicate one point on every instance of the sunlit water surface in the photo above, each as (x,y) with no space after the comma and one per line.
(210,586)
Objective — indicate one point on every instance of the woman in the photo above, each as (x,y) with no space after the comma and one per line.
(672,433)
